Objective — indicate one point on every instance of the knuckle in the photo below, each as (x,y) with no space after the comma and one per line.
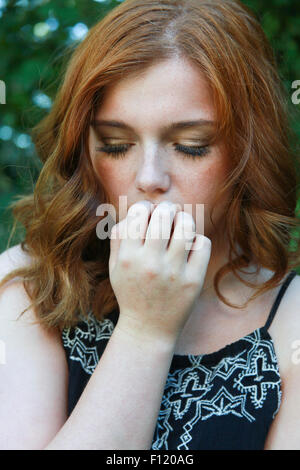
(205,242)
(151,269)
(172,276)
(125,260)
(125,263)
(151,274)
(191,284)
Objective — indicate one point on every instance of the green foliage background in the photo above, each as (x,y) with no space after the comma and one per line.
(36,37)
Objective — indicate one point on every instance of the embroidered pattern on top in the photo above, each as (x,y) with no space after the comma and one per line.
(200,392)
(236,385)
(82,341)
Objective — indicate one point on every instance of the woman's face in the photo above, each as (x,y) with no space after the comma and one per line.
(146,112)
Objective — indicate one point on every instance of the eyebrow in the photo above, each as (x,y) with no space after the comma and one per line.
(173,126)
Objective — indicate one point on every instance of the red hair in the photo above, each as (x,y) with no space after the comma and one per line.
(69,275)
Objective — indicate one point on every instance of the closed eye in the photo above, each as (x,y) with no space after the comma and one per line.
(119,151)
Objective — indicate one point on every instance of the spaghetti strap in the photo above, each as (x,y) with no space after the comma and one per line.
(280,294)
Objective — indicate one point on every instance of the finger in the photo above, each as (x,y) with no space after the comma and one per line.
(135,225)
(160,226)
(182,238)
(198,259)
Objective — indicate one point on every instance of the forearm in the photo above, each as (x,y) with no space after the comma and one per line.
(119,407)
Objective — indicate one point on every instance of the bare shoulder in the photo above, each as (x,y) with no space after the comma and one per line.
(13,297)
(15,255)
(293,299)
(287,318)
(291,327)
(13,258)
(12,293)
(285,331)
(32,361)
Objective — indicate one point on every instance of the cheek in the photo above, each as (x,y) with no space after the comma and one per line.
(112,178)
(201,186)
(204,188)
(217,202)
(215,174)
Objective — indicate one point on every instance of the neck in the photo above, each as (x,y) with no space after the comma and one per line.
(230,286)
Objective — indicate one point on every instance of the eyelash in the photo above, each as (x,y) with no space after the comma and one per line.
(119,151)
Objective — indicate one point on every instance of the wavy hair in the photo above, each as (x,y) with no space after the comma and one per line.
(68,275)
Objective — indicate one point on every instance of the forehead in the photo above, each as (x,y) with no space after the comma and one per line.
(174,89)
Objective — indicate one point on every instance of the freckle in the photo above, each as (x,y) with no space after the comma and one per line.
(151,275)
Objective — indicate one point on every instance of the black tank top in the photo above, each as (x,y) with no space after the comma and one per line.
(222,400)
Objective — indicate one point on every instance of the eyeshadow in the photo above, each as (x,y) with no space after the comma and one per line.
(194,131)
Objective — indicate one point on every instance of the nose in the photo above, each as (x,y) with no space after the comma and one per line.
(152,175)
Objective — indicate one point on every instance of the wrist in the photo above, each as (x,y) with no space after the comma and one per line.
(147,336)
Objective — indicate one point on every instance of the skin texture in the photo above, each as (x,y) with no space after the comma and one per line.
(152,169)
(171,91)
(133,371)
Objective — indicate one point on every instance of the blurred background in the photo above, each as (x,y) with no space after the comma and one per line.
(36,40)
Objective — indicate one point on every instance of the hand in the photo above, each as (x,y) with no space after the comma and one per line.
(157,280)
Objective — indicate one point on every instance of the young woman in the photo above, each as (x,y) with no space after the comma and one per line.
(140,342)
